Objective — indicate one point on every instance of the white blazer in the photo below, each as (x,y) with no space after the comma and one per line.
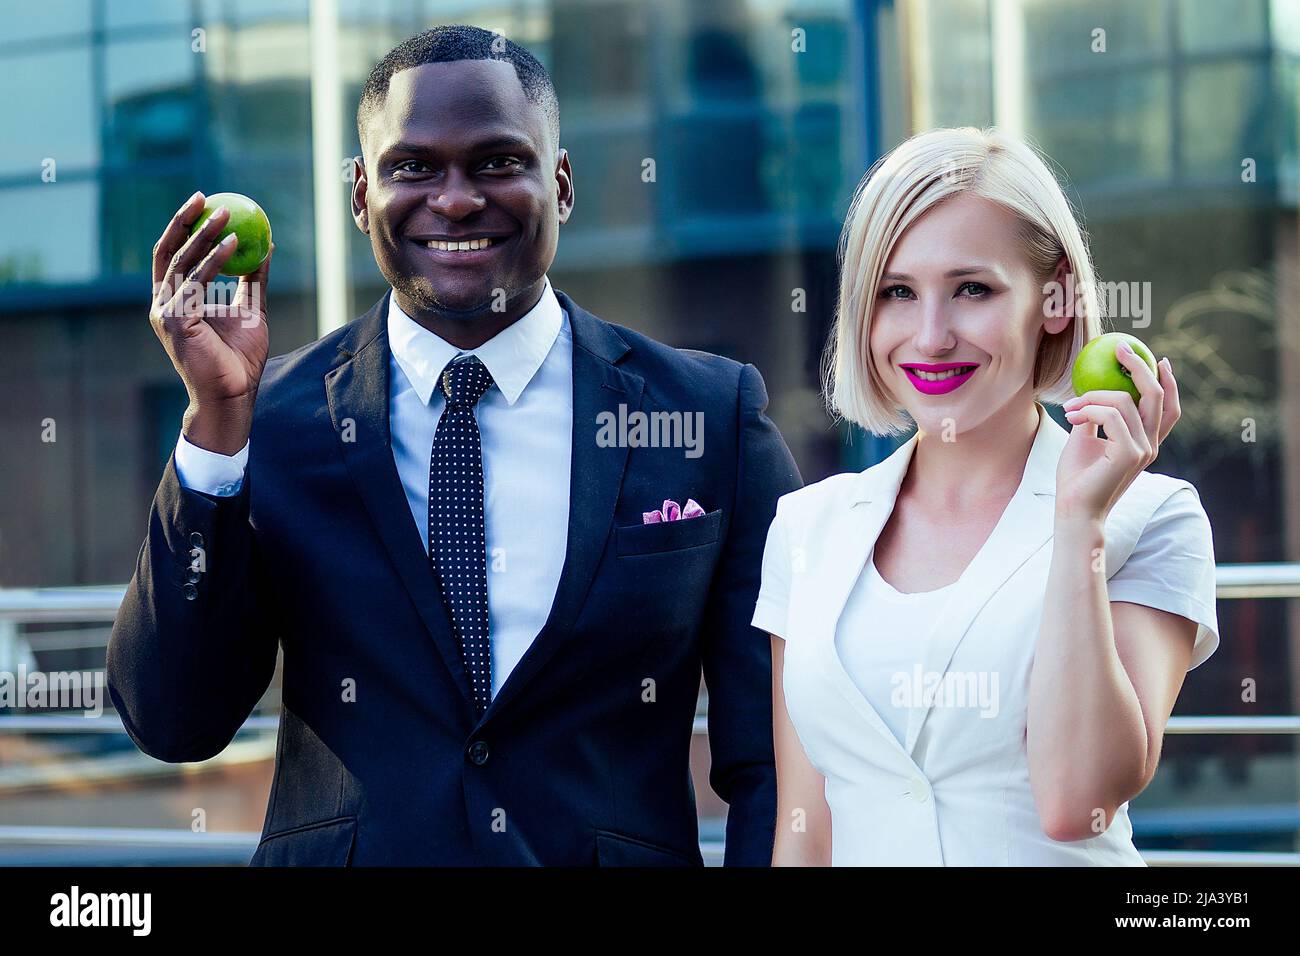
(956,792)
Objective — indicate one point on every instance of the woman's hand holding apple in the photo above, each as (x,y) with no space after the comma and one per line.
(1094,472)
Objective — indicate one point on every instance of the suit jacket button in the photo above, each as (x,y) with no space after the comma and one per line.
(196,539)
(190,592)
(478,753)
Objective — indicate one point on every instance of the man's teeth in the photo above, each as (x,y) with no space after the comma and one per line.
(468,245)
(940,376)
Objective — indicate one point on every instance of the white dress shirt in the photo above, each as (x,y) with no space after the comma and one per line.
(526,423)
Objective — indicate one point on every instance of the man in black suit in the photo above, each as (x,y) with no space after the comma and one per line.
(452,516)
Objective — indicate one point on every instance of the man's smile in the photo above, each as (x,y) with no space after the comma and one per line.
(467,249)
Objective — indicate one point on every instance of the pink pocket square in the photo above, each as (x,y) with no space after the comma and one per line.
(672,511)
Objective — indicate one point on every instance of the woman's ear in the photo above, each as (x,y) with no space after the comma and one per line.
(1060,298)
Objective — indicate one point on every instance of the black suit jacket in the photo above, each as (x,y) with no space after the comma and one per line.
(582,757)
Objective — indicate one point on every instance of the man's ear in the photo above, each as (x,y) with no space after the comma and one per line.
(1060,298)
(564,186)
(360,214)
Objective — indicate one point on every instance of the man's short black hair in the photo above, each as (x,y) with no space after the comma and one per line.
(448,44)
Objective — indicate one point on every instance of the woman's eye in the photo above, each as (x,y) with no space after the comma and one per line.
(971,289)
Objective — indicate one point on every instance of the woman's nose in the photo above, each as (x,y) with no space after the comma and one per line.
(934,334)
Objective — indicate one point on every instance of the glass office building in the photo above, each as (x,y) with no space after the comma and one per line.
(1174,123)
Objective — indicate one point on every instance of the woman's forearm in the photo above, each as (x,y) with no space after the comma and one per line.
(801,848)
(1087,742)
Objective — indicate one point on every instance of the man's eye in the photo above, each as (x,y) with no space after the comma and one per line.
(895,292)
(501,162)
(405,165)
(976,288)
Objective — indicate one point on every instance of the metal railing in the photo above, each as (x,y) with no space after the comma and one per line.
(112,724)
(237,847)
(36,605)
(1234,582)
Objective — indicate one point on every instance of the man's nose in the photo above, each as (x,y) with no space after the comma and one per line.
(456,197)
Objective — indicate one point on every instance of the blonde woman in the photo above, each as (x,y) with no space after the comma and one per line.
(977,643)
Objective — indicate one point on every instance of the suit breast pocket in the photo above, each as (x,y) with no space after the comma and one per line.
(640,539)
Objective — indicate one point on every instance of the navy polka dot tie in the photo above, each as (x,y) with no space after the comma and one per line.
(457,539)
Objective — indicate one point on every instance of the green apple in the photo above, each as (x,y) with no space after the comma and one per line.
(249,224)
(1098,367)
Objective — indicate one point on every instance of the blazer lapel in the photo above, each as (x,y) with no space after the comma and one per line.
(596,476)
(357,393)
(851,540)
(1025,526)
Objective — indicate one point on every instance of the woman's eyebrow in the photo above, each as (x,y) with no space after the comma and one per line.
(950,274)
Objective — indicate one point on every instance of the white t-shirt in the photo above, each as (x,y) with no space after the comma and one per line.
(882,634)
(1171,569)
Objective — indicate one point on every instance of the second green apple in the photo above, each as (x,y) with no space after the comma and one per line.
(1098,368)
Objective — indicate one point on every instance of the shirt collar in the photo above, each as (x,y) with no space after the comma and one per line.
(512,356)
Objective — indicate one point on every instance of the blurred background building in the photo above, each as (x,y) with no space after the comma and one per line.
(1174,127)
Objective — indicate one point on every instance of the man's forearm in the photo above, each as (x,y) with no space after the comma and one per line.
(191,650)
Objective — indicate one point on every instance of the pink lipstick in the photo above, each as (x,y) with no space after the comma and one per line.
(946,381)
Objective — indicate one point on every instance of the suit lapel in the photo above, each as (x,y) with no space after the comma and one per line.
(596,475)
(357,393)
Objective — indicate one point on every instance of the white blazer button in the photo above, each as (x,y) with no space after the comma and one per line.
(919,790)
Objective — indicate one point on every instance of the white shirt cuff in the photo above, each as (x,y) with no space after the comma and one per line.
(208,471)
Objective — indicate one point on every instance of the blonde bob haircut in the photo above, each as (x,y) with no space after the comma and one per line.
(902,186)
